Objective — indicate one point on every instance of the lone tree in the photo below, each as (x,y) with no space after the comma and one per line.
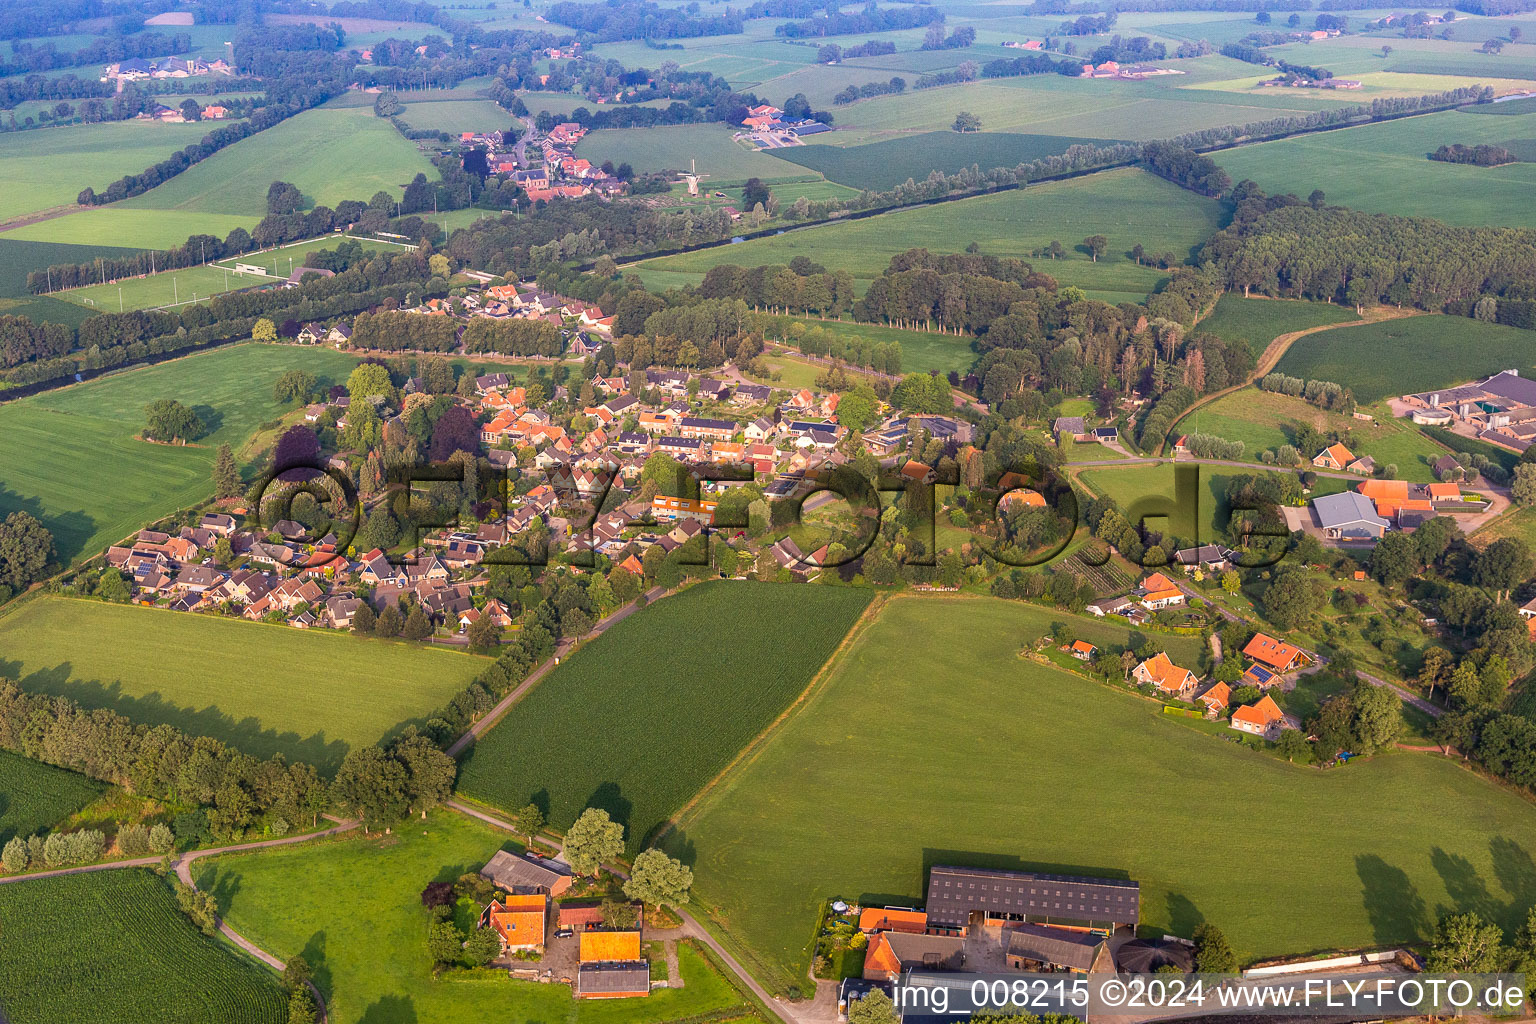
(658,879)
(1213,953)
(1096,246)
(592,839)
(529,821)
(264,330)
(166,419)
(965,121)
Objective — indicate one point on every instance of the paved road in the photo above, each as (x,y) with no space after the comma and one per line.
(561,649)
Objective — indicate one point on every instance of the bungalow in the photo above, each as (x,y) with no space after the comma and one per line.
(1334,457)
(1210,557)
(1158,591)
(1262,718)
(1082,650)
(1069,428)
(1275,654)
(1216,698)
(1161,672)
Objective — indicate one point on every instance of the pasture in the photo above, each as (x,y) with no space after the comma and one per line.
(455,116)
(921,351)
(675,692)
(330,153)
(309,694)
(110,947)
(884,165)
(1007,763)
(1128,206)
(74,461)
(709,146)
(118,225)
(1384,168)
(1417,353)
(365,937)
(1264,420)
(46,168)
(1257,322)
(35,796)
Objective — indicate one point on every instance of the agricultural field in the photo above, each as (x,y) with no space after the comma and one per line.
(884,165)
(18,258)
(1384,168)
(365,937)
(114,946)
(1378,85)
(118,225)
(455,116)
(331,154)
(192,284)
(675,691)
(1257,322)
(1263,420)
(75,462)
(1517,522)
(1397,357)
(46,168)
(36,796)
(709,146)
(1129,206)
(1366,854)
(921,351)
(309,694)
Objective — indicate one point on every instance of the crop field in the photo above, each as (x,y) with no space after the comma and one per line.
(675,692)
(1257,322)
(1360,53)
(989,744)
(309,694)
(454,116)
(365,937)
(1383,168)
(113,946)
(672,148)
(1128,206)
(192,284)
(35,796)
(1264,420)
(1399,357)
(74,461)
(1378,85)
(331,154)
(48,168)
(119,226)
(884,165)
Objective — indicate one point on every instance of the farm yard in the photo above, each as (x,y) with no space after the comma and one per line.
(75,460)
(113,946)
(675,692)
(365,937)
(1365,853)
(1399,357)
(311,695)
(1129,206)
(35,796)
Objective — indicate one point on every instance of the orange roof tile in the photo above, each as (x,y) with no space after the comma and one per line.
(1260,713)
(1379,489)
(1164,673)
(1218,695)
(1157,581)
(878,919)
(605,946)
(1272,652)
(1444,491)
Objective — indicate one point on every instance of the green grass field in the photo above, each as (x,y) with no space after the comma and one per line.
(74,460)
(921,351)
(1263,420)
(36,796)
(1257,322)
(365,936)
(18,258)
(719,156)
(311,695)
(1383,168)
(1129,206)
(455,116)
(675,692)
(933,743)
(331,154)
(155,291)
(118,225)
(109,947)
(44,169)
(884,165)
(1396,357)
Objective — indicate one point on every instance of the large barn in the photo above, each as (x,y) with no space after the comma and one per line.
(961,898)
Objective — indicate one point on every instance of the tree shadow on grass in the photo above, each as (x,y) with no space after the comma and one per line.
(71,530)
(390,1010)
(319,971)
(1393,906)
(247,734)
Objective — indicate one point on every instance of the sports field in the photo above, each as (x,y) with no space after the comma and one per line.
(330,153)
(708,146)
(73,459)
(1397,357)
(1128,206)
(113,946)
(366,936)
(48,168)
(35,796)
(1264,420)
(1257,322)
(179,287)
(309,694)
(675,692)
(1384,168)
(1007,763)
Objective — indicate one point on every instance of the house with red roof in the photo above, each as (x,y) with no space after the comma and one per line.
(1277,655)
(1169,679)
(1261,718)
